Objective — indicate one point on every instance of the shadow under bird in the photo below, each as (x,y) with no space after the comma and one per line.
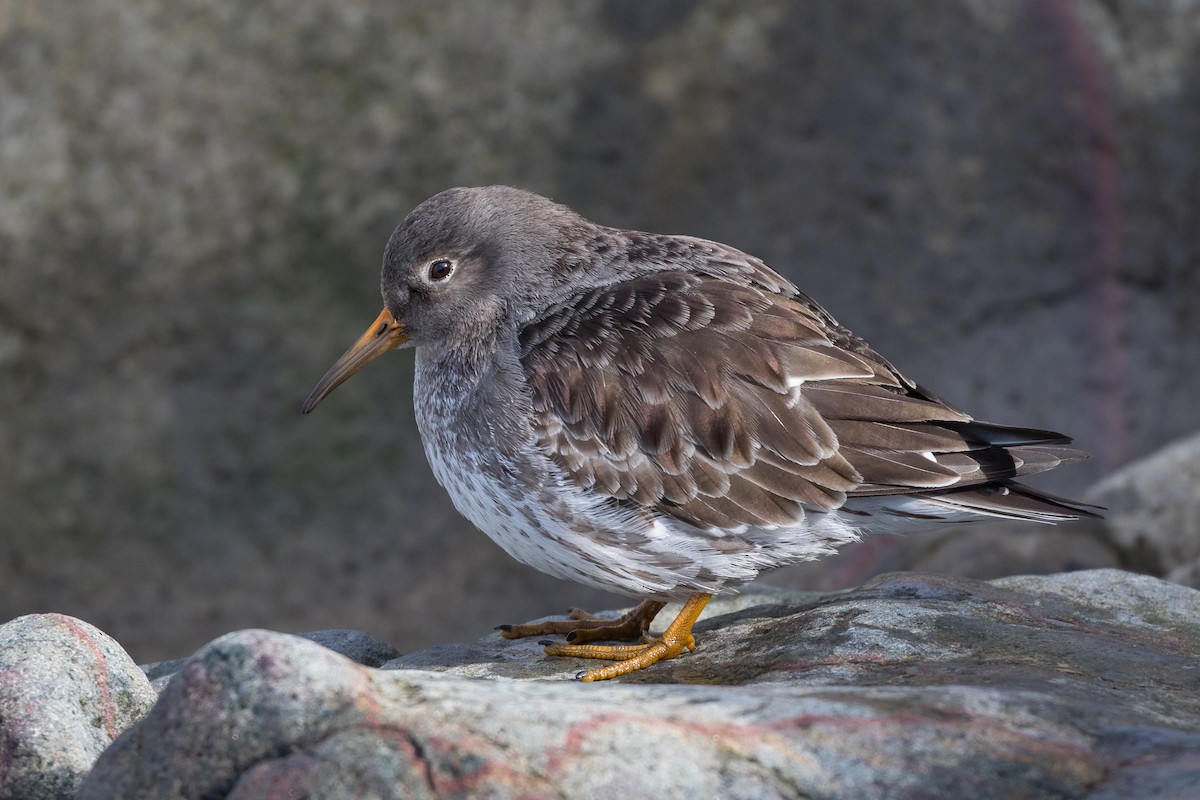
(663,416)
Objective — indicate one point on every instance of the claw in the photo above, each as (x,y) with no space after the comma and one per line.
(630,657)
(585,627)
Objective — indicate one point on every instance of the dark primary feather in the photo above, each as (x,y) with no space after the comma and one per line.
(724,397)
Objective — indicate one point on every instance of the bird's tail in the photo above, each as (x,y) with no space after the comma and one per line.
(1012,500)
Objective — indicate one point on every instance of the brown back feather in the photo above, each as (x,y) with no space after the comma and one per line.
(723,397)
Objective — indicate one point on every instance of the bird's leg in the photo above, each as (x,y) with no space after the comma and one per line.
(674,640)
(584,627)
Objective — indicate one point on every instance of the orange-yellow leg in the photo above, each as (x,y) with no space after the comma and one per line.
(673,641)
(584,627)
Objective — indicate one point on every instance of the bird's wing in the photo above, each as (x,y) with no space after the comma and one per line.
(732,403)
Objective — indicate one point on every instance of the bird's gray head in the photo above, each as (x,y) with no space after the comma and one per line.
(463,260)
(462,266)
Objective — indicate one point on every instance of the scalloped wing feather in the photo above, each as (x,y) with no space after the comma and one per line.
(724,398)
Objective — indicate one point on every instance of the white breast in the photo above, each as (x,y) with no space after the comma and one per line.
(509,489)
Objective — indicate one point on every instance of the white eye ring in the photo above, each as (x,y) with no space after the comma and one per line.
(440,270)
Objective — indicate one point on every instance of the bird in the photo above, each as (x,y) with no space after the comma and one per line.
(663,416)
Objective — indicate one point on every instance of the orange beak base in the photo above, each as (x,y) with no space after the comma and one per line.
(384,334)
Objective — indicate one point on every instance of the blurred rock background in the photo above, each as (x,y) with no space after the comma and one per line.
(194,196)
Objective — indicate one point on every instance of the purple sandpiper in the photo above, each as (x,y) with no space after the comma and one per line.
(663,416)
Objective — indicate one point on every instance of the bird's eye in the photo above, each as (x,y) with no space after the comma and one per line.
(440,270)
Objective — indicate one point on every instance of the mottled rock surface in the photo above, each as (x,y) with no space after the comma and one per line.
(67,691)
(359,647)
(1084,685)
(194,199)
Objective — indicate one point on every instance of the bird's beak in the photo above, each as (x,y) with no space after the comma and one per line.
(384,334)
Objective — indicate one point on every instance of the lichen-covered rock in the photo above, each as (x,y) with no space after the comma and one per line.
(1153,510)
(1071,686)
(67,691)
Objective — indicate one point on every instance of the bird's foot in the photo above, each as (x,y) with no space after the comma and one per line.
(585,627)
(674,640)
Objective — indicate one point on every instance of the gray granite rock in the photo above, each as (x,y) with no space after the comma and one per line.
(1188,574)
(67,691)
(359,647)
(1071,686)
(1153,510)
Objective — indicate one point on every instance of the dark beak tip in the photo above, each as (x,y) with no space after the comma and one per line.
(383,335)
(309,404)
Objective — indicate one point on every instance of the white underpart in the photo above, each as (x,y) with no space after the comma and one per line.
(582,536)
(592,542)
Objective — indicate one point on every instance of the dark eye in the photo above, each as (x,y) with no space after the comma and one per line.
(440,270)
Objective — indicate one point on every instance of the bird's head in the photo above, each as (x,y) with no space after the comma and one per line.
(461,266)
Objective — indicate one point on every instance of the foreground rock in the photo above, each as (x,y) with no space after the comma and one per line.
(359,647)
(1071,686)
(67,691)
